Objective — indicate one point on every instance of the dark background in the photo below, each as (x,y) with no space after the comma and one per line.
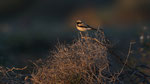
(29,29)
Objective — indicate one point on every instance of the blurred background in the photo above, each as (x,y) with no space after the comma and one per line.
(29,29)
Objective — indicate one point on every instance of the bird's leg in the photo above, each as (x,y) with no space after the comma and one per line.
(81,35)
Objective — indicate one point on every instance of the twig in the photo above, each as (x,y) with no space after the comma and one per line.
(17,68)
(94,39)
(129,52)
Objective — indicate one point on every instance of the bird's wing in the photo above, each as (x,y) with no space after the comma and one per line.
(90,27)
(84,25)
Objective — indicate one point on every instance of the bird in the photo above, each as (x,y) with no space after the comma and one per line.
(81,26)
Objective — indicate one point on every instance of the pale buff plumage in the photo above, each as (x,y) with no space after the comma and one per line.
(82,26)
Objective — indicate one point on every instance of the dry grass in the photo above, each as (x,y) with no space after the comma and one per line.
(81,62)
(88,60)
(11,76)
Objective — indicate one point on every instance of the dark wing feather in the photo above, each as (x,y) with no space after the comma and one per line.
(91,27)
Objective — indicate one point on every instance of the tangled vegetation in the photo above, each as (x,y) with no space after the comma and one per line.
(90,59)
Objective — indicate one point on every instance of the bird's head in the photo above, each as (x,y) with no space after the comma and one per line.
(78,21)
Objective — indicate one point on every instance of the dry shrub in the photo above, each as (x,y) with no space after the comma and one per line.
(82,62)
(90,60)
